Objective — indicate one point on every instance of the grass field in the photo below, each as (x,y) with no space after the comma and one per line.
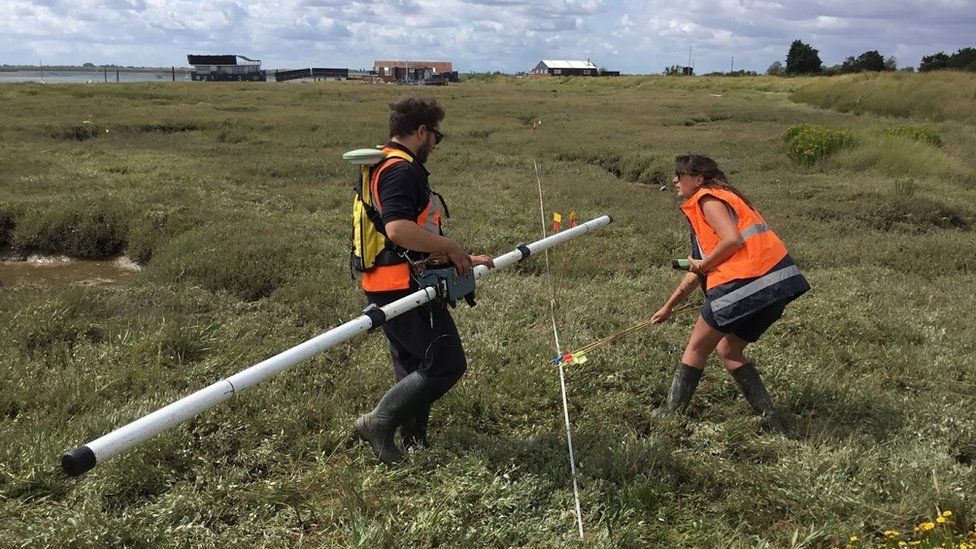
(236,201)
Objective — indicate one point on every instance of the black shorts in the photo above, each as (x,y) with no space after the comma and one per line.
(750,327)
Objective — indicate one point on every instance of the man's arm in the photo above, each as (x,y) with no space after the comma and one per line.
(407,234)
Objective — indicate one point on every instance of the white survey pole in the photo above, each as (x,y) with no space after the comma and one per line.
(84,458)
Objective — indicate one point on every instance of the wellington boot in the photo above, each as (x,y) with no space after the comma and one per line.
(752,387)
(413,431)
(410,395)
(683,387)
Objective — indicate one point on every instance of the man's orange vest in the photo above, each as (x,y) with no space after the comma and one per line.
(762,249)
(389,278)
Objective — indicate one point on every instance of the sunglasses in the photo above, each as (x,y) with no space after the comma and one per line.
(438,136)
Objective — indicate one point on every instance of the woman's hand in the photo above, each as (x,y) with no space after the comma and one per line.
(661,315)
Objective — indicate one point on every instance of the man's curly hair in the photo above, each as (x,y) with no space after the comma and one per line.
(409,113)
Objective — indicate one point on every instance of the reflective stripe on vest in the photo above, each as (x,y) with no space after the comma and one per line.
(388,278)
(754,287)
(740,298)
(761,249)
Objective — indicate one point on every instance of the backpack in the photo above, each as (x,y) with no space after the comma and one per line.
(368,237)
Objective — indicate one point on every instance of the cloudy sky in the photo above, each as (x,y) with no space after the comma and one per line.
(633,36)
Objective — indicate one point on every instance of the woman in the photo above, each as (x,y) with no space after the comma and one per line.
(748,278)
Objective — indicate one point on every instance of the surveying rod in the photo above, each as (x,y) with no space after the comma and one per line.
(83,458)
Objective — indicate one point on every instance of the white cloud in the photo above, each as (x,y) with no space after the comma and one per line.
(511,35)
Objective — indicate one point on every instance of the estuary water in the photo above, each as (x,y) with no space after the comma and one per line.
(62,271)
(83,77)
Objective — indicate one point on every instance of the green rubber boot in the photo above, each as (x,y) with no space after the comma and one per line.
(413,431)
(752,387)
(410,395)
(683,387)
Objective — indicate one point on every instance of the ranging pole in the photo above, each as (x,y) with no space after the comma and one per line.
(84,458)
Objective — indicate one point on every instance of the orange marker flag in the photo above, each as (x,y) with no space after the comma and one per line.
(556,219)
(572,218)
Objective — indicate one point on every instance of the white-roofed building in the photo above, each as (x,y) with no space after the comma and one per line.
(554,67)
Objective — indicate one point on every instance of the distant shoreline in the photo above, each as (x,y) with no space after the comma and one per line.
(64,68)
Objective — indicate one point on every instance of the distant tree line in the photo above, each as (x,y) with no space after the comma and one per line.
(805,59)
(962,60)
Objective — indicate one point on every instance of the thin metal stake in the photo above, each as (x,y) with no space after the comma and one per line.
(562,376)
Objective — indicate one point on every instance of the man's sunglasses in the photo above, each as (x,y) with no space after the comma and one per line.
(438,136)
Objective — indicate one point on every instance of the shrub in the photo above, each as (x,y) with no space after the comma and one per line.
(152,229)
(919,134)
(234,258)
(6,226)
(82,132)
(62,321)
(904,188)
(607,160)
(91,230)
(647,168)
(809,143)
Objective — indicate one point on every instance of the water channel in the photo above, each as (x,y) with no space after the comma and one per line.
(53,271)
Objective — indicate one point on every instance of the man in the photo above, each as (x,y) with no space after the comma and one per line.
(424,343)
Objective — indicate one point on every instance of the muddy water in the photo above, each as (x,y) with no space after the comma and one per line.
(62,271)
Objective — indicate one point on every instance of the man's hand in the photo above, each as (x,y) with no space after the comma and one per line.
(460,258)
(486,260)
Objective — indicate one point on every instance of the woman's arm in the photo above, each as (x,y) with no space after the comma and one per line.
(685,287)
(730,241)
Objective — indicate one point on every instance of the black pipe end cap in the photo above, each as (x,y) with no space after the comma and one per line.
(78,461)
(610,217)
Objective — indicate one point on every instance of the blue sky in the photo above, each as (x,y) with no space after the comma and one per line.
(633,36)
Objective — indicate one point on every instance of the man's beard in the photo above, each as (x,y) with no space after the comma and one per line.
(423,153)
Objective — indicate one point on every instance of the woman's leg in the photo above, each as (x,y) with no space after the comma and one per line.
(731,351)
(686,376)
(703,341)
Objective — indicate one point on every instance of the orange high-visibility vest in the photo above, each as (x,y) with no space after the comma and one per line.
(388,278)
(762,249)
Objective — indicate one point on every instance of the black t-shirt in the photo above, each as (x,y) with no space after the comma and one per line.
(403,189)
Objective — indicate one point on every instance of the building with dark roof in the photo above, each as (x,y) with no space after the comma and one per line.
(226,68)
(415,71)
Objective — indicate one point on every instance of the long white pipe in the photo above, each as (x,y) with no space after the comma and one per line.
(84,458)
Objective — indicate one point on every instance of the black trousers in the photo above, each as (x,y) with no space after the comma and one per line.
(425,340)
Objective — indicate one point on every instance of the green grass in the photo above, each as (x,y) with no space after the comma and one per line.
(237,202)
(941,96)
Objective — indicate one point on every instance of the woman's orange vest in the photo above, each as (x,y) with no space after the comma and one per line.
(762,249)
(389,278)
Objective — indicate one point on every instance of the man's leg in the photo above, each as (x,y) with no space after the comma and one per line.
(428,335)
(402,400)
(436,343)
(413,429)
